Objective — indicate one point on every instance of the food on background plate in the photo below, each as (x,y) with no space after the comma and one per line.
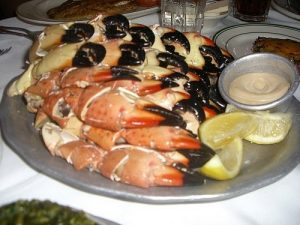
(36,212)
(148,3)
(88,9)
(284,47)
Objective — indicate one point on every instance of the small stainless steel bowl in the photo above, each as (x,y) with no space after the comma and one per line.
(260,62)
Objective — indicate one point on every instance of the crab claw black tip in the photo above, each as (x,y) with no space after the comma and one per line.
(198,157)
(89,54)
(132,55)
(78,32)
(122,72)
(166,59)
(171,118)
(142,35)
(192,106)
(116,26)
(190,177)
(176,36)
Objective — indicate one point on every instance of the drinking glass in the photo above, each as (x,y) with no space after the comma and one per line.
(185,16)
(251,10)
(294,4)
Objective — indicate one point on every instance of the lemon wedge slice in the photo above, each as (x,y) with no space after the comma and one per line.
(227,162)
(272,128)
(223,128)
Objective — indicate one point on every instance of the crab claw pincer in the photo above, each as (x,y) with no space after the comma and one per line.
(119,108)
(78,32)
(142,35)
(116,26)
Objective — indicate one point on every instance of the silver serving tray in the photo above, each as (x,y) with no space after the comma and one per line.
(263,165)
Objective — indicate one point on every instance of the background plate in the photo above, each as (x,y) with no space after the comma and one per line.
(239,39)
(35,11)
(262,165)
(283,7)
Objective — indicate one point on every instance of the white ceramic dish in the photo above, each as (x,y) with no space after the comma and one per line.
(283,7)
(213,16)
(35,11)
(238,39)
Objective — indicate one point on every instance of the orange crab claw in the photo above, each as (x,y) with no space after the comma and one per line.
(82,77)
(117,109)
(60,105)
(164,138)
(106,139)
(53,105)
(48,83)
(82,155)
(143,168)
(209,112)
(141,88)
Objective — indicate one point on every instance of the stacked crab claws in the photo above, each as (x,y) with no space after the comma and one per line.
(124,99)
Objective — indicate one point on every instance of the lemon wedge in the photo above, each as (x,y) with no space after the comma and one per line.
(227,162)
(223,128)
(272,128)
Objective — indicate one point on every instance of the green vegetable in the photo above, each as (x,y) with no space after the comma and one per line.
(41,213)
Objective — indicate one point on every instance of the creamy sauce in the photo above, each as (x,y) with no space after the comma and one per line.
(258,88)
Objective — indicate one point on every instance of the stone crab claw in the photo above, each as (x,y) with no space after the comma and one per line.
(57,108)
(132,55)
(89,54)
(86,76)
(198,51)
(112,53)
(78,32)
(167,59)
(142,35)
(60,107)
(216,98)
(48,83)
(140,87)
(194,112)
(173,138)
(116,26)
(124,109)
(35,94)
(143,167)
(54,137)
(174,39)
(55,35)
(67,146)
(216,58)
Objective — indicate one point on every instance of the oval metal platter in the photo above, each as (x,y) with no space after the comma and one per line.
(262,164)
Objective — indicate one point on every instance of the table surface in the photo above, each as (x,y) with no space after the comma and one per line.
(277,203)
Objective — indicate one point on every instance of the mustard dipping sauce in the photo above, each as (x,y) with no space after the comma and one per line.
(258,88)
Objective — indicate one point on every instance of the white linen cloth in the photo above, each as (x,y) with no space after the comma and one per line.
(275,204)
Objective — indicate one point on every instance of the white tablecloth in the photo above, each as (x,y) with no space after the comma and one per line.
(274,204)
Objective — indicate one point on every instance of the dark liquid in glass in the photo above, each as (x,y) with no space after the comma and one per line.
(252,7)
